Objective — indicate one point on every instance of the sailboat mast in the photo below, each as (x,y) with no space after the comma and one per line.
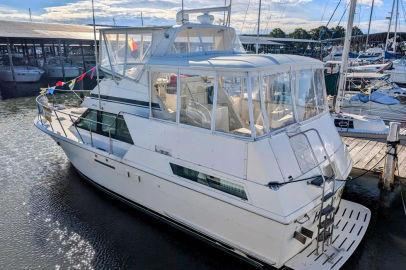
(259,23)
(396,26)
(346,51)
(369,23)
(390,23)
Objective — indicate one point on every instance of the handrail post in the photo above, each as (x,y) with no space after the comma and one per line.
(77,130)
(60,123)
(91,136)
(110,142)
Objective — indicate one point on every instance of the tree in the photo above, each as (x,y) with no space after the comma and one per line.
(337,32)
(299,33)
(356,31)
(277,33)
(322,31)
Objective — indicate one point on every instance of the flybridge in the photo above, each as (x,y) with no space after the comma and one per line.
(125,51)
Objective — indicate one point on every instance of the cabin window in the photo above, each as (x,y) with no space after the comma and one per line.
(102,122)
(164,87)
(232,106)
(210,181)
(278,100)
(196,100)
(88,120)
(305,95)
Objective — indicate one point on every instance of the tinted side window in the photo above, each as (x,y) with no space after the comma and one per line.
(88,120)
(102,122)
(211,181)
(122,133)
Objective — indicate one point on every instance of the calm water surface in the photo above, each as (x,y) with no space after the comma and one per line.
(52,219)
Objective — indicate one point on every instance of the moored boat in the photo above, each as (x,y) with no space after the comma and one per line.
(238,149)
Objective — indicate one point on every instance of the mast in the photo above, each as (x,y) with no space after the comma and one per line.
(369,23)
(259,22)
(390,23)
(346,50)
(396,26)
(96,54)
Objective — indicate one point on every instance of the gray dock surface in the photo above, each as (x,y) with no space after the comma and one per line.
(366,153)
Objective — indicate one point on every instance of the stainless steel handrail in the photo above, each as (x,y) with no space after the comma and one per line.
(73,119)
(327,156)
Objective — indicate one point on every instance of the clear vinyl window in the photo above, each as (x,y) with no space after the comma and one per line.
(164,89)
(196,99)
(278,100)
(232,115)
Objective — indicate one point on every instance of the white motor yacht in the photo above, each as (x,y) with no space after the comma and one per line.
(22,71)
(21,74)
(57,68)
(237,149)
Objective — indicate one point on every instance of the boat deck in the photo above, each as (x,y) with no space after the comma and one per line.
(367,153)
(61,122)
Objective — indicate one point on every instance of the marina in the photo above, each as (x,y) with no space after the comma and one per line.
(198,144)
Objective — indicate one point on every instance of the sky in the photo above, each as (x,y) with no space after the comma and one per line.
(285,14)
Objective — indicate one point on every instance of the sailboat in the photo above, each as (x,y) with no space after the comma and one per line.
(237,149)
(398,71)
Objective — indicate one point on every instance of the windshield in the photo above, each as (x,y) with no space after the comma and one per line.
(123,53)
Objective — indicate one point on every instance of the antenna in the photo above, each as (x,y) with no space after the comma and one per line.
(96,54)
(142,20)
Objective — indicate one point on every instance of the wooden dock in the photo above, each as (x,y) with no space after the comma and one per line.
(375,137)
(367,153)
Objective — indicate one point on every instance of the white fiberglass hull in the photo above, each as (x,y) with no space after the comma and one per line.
(21,73)
(397,75)
(386,112)
(247,232)
(252,236)
(57,72)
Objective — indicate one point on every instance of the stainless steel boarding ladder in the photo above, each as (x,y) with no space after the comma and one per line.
(326,214)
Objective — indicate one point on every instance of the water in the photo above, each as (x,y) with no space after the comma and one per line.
(52,219)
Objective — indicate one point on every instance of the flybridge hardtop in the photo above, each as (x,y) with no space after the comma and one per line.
(237,148)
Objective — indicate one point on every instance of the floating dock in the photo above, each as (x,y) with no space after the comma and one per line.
(369,155)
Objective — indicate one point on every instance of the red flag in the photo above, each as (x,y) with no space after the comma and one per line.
(59,83)
(93,69)
(81,77)
(133,45)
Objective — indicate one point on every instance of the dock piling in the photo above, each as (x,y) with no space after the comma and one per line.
(392,142)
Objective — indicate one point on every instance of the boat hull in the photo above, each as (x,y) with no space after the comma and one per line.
(56,72)
(21,75)
(242,231)
(397,75)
